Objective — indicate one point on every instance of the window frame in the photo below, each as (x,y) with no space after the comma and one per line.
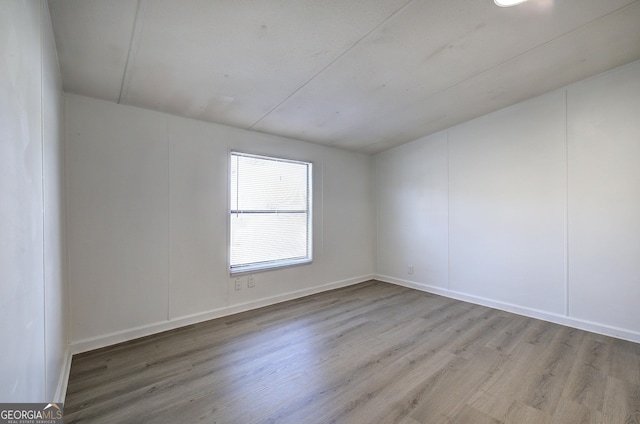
(237,269)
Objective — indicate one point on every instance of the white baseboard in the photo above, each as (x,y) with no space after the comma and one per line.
(63,379)
(593,327)
(92,343)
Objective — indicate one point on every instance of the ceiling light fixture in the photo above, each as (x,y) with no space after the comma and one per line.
(508,3)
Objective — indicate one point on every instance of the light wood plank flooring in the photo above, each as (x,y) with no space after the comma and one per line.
(369,353)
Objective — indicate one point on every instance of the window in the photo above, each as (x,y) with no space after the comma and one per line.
(270,213)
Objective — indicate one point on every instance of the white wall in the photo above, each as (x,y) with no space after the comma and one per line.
(533,209)
(412,189)
(604,199)
(507,195)
(34,358)
(147,211)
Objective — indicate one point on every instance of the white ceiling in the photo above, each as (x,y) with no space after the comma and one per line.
(364,75)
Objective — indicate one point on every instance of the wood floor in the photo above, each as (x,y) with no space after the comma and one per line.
(369,353)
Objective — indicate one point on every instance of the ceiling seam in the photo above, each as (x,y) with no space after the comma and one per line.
(133,48)
(504,62)
(384,21)
(629,5)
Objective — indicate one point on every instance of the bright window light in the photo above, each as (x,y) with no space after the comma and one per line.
(270,214)
(508,3)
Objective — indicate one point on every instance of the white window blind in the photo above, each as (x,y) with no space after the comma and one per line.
(270,216)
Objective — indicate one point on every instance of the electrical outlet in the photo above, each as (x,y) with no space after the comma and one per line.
(251,282)
(238,284)
(410,270)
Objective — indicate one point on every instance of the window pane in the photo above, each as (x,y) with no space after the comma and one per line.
(259,237)
(270,216)
(263,184)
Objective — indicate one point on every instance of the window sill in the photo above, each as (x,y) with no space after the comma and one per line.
(268,266)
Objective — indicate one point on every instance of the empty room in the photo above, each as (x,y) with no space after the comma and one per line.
(303,211)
